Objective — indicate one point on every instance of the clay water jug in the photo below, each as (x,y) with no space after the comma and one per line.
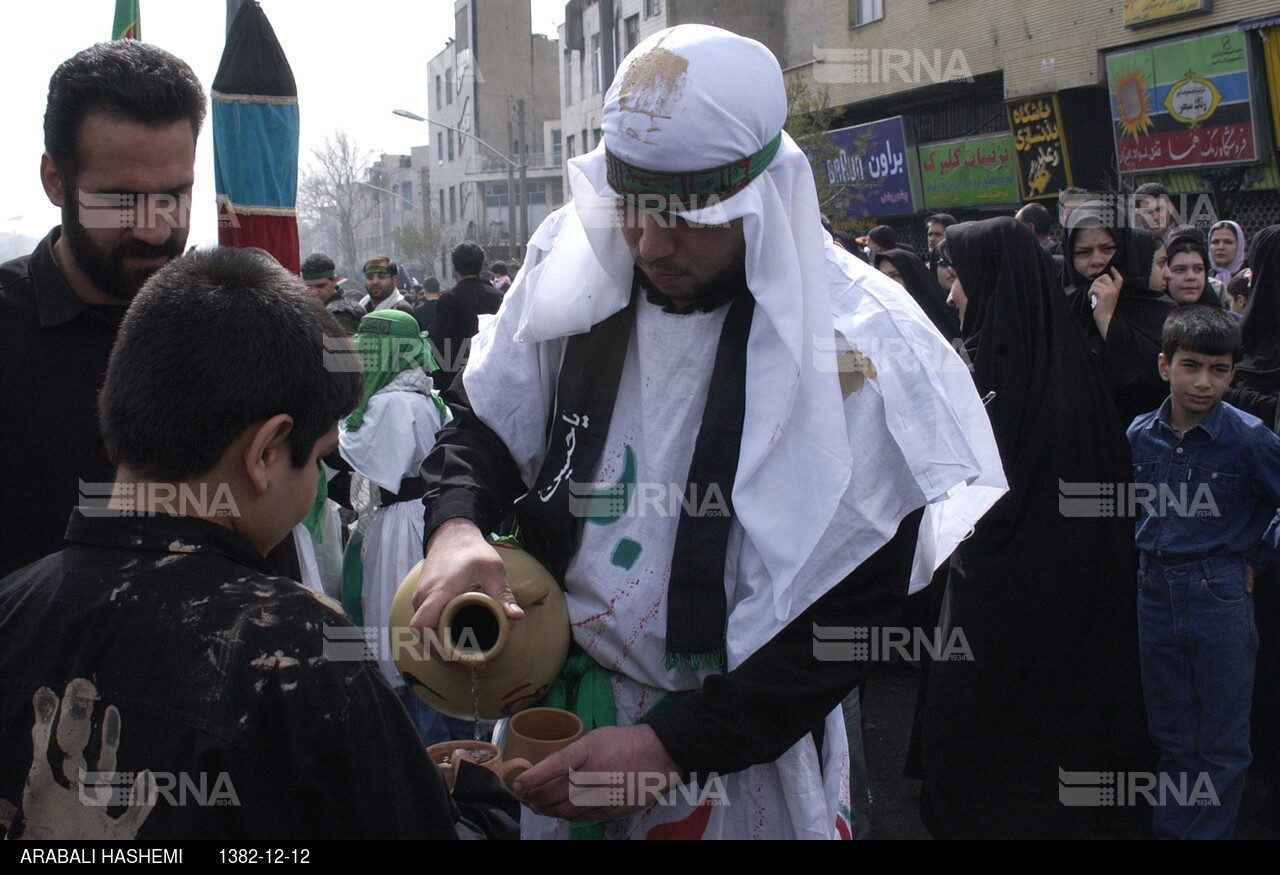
(509,663)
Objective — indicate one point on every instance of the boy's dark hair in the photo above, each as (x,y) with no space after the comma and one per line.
(216,341)
(431,285)
(132,80)
(1240,285)
(1200,328)
(1151,189)
(499,268)
(1180,243)
(467,258)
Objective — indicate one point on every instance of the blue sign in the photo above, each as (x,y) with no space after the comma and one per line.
(876,169)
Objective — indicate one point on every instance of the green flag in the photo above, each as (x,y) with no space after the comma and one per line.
(128,23)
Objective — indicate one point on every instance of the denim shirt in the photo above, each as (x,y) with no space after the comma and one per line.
(1213,491)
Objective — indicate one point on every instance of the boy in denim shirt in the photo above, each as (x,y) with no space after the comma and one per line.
(1206,489)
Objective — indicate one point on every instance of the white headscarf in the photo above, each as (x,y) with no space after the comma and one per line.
(694,97)
(1224,274)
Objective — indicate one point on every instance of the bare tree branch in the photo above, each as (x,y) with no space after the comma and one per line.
(330,198)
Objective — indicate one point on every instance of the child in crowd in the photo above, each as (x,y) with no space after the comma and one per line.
(1207,489)
(158,680)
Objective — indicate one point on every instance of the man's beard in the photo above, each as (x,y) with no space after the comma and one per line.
(106,269)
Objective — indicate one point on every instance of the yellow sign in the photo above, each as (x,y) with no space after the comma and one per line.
(1191,99)
(1140,12)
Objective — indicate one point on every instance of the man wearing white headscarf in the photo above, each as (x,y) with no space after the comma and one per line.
(721,430)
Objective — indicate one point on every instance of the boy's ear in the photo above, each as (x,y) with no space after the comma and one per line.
(268,445)
(1163,364)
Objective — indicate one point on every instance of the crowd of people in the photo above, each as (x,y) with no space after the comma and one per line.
(685,324)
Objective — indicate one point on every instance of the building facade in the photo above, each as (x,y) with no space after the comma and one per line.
(981,106)
(495,137)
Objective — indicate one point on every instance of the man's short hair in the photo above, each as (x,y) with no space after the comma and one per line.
(467,258)
(216,341)
(128,79)
(1151,189)
(499,268)
(883,236)
(431,285)
(1038,217)
(318,266)
(946,220)
(384,262)
(1200,328)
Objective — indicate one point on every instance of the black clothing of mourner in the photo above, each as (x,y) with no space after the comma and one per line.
(780,693)
(1044,600)
(922,284)
(177,645)
(425,313)
(1256,389)
(458,312)
(52,364)
(1128,354)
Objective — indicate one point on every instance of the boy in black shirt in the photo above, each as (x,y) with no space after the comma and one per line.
(157,680)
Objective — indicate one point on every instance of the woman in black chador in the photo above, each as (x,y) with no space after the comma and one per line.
(1120,305)
(1043,591)
(922,284)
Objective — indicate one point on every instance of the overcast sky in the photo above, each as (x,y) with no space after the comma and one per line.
(354,62)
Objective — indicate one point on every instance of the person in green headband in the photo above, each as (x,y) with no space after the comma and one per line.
(381,276)
(385,440)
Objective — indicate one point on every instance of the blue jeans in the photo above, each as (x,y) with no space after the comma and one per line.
(1197,642)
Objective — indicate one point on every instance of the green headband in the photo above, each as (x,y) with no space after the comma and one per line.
(688,187)
(318,274)
(378,270)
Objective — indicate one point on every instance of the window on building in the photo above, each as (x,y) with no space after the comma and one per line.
(595,63)
(448,85)
(586,144)
(439,148)
(439,92)
(557,158)
(557,193)
(596,134)
(632,32)
(568,147)
(652,8)
(450,145)
(582,76)
(495,195)
(453,204)
(568,77)
(406,192)
(441,213)
(865,11)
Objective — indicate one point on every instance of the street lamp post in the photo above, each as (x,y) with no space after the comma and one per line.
(512,166)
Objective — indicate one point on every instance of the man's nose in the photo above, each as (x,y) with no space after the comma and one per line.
(657,240)
(154,223)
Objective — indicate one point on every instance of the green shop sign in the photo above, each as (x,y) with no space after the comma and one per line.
(973,172)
